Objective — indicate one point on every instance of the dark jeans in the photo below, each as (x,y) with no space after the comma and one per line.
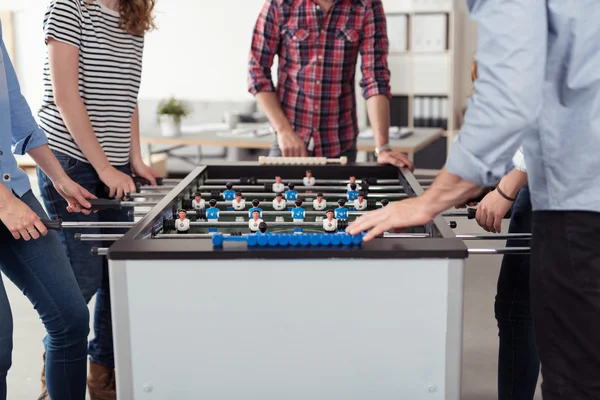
(91,272)
(275,151)
(40,268)
(565,294)
(518,363)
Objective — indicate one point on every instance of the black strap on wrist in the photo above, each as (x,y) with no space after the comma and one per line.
(501,193)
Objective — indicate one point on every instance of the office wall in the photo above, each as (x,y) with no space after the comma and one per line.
(199,50)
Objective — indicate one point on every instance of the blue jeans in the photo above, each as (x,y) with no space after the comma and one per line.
(518,362)
(40,268)
(275,151)
(91,272)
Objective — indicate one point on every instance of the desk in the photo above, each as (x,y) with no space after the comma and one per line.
(421,138)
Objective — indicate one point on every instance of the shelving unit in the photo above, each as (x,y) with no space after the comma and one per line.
(427,67)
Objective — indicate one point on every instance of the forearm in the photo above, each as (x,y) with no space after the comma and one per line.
(378,109)
(45,159)
(135,151)
(513,182)
(448,190)
(78,123)
(271,105)
(5,195)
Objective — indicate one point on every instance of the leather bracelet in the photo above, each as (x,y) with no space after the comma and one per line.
(501,193)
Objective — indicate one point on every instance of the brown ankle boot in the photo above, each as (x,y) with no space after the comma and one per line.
(101,382)
(44,395)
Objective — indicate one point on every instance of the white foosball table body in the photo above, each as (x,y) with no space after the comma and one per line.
(382,321)
(335,329)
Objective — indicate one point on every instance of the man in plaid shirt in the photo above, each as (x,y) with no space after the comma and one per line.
(317,43)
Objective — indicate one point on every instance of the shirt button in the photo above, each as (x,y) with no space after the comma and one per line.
(319,57)
(316,107)
(294,37)
(318,83)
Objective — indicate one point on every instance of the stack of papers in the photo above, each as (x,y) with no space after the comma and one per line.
(395,133)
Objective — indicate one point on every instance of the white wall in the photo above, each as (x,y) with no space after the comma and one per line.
(198,52)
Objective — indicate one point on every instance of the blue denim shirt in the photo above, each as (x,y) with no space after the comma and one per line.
(19,131)
(538,85)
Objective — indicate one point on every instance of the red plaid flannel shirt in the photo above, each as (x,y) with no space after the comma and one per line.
(317,54)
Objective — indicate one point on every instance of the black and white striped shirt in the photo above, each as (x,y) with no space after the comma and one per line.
(110,70)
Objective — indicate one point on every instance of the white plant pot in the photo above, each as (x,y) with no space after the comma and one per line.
(169,127)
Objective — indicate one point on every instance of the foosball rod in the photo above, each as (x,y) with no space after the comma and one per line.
(264,160)
(314,189)
(103,251)
(246,195)
(222,182)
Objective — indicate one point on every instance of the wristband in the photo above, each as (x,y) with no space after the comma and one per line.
(501,193)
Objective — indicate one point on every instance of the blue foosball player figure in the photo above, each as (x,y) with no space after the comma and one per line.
(229,194)
(291,195)
(255,207)
(298,214)
(341,212)
(212,213)
(352,194)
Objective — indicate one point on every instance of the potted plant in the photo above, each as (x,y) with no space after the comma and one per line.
(169,114)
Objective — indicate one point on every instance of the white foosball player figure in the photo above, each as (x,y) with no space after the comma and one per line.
(360,203)
(298,214)
(238,203)
(278,187)
(330,224)
(254,222)
(353,181)
(182,224)
(198,202)
(308,180)
(319,204)
(279,204)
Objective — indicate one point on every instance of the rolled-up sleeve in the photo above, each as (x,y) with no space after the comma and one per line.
(374,53)
(265,42)
(511,58)
(26,134)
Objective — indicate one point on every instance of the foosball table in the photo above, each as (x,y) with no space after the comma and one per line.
(220,291)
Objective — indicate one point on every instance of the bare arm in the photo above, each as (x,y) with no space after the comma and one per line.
(138,167)
(64,73)
(44,158)
(378,108)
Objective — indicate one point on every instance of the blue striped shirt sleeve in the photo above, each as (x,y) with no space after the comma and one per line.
(507,100)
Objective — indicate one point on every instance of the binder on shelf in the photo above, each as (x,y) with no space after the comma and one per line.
(429,33)
(418,112)
(444,113)
(397,31)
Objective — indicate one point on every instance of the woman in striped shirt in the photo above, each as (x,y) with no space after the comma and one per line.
(89,112)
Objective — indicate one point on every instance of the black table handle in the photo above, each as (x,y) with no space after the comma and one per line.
(52,224)
(144,181)
(105,204)
(471,212)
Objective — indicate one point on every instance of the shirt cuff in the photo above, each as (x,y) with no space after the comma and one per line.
(35,139)
(260,87)
(465,165)
(519,161)
(377,89)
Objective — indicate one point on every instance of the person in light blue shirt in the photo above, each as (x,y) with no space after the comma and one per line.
(33,257)
(539,84)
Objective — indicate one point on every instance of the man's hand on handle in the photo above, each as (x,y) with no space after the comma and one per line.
(20,220)
(291,145)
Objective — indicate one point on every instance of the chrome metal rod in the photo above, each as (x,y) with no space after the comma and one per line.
(209,235)
(99,251)
(317,181)
(145,195)
(94,225)
(247,195)
(164,188)
(494,236)
(92,237)
(270,224)
(341,188)
(307,212)
(131,204)
(502,250)
(171,181)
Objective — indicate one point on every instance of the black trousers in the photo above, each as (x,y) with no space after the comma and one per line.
(565,298)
